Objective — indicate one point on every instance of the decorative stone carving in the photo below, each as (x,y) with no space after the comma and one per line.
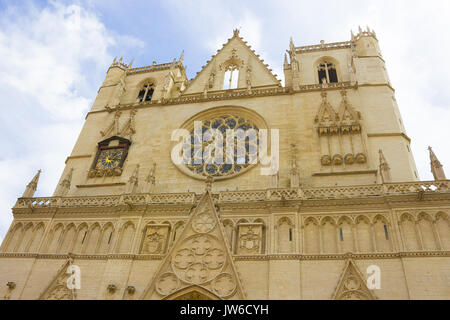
(337,160)
(57,289)
(361,158)
(150,181)
(349,159)
(224,285)
(133,182)
(325,160)
(385,170)
(167,283)
(203,223)
(115,129)
(212,78)
(293,172)
(352,285)
(155,239)
(64,187)
(199,260)
(250,238)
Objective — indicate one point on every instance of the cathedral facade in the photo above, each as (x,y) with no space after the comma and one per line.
(333,208)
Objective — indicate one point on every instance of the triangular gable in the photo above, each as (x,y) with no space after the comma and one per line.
(347,114)
(351,285)
(326,115)
(252,70)
(114,128)
(57,289)
(200,257)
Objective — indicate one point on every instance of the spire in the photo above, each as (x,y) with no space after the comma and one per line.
(181,57)
(291,46)
(133,182)
(151,178)
(131,63)
(64,187)
(286,64)
(436,167)
(385,171)
(32,186)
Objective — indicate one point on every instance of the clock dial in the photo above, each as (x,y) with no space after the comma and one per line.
(109,159)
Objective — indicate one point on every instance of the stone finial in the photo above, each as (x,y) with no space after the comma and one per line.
(32,186)
(64,187)
(133,182)
(131,64)
(293,173)
(291,46)
(180,60)
(436,167)
(150,181)
(236,33)
(385,171)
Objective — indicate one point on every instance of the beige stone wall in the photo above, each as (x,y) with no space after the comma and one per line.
(287,242)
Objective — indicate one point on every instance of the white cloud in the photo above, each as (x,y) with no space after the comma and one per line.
(52,60)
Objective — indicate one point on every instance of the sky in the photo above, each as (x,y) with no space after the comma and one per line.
(54,56)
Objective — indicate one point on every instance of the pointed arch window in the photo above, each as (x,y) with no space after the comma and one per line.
(146,93)
(327,72)
(231,77)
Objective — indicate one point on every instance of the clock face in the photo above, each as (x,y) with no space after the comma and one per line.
(109,159)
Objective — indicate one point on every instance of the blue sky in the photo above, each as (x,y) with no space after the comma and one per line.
(54,55)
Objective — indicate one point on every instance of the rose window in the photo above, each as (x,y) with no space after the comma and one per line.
(202,163)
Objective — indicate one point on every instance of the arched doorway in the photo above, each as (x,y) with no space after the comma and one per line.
(192,293)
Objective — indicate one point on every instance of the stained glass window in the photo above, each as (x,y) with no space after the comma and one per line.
(242,152)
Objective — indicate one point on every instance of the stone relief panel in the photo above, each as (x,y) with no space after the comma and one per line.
(155,239)
(250,238)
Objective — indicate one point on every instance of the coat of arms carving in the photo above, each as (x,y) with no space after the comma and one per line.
(250,236)
(155,239)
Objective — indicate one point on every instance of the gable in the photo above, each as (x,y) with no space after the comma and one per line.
(352,285)
(200,257)
(252,71)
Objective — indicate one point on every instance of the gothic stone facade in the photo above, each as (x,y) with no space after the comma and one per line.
(346,196)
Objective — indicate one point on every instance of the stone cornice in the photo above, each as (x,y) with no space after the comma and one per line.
(260,257)
(225,95)
(375,194)
(344,256)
